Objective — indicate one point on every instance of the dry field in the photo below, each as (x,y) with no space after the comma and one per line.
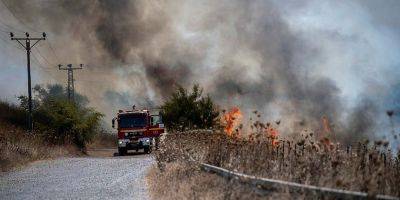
(180,180)
(18,148)
(368,166)
(103,140)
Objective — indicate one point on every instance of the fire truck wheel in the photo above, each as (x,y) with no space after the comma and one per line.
(121,151)
(147,150)
(157,142)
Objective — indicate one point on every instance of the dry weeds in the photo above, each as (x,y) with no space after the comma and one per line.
(103,140)
(18,148)
(182,181)
(367,167)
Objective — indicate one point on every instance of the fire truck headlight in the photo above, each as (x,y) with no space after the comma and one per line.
(122,143)
(145,141)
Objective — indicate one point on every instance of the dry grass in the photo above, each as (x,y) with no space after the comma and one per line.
(182,181)
(104,140)
(366,167)
(18,148)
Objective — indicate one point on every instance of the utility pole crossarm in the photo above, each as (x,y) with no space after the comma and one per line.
(28,38)
(60,67)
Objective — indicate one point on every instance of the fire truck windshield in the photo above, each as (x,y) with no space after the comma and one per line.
(132,120)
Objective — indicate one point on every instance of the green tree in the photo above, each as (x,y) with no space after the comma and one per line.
(60,120)
(188,110)
(51,92)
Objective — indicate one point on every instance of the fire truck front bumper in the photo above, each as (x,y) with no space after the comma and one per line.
(134,144)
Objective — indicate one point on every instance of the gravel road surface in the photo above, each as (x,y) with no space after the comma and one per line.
(79,178)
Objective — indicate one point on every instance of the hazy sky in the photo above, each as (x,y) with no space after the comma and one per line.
(360,40)
(313,57)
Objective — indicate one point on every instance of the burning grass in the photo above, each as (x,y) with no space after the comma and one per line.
(231,119)
(367,167)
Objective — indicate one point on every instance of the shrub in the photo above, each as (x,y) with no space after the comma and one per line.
(63,121)
(188,110)
(13,114)
(59,120)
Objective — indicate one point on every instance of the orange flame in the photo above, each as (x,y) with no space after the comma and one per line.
(327,130)
(325,123)
(273,134)
(232,119)
(326,141)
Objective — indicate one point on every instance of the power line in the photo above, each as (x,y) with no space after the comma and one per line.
(20,21)
(54,52)
(3,30)
(3,40)
(13,29)
(10,28)
(35,60)
(43,69)
(8,42)
(39,64)
(90,81)
(43,58)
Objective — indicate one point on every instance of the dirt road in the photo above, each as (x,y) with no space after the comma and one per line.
(96,177)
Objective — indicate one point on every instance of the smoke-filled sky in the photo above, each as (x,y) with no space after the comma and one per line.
(292,60)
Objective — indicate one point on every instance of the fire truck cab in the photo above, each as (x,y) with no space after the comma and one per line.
(137,129)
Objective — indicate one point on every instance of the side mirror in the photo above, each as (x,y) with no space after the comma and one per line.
(113,123)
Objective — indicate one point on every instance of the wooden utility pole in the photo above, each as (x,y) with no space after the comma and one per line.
(28,46)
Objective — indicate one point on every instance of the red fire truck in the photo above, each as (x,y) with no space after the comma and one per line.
(138,129)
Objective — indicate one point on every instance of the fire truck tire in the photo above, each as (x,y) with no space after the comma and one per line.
(122,151)
(147,150)
(157,142)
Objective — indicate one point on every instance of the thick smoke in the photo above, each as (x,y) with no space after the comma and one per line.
(287,60)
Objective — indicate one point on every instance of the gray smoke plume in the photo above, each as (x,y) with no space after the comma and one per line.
(295,61)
